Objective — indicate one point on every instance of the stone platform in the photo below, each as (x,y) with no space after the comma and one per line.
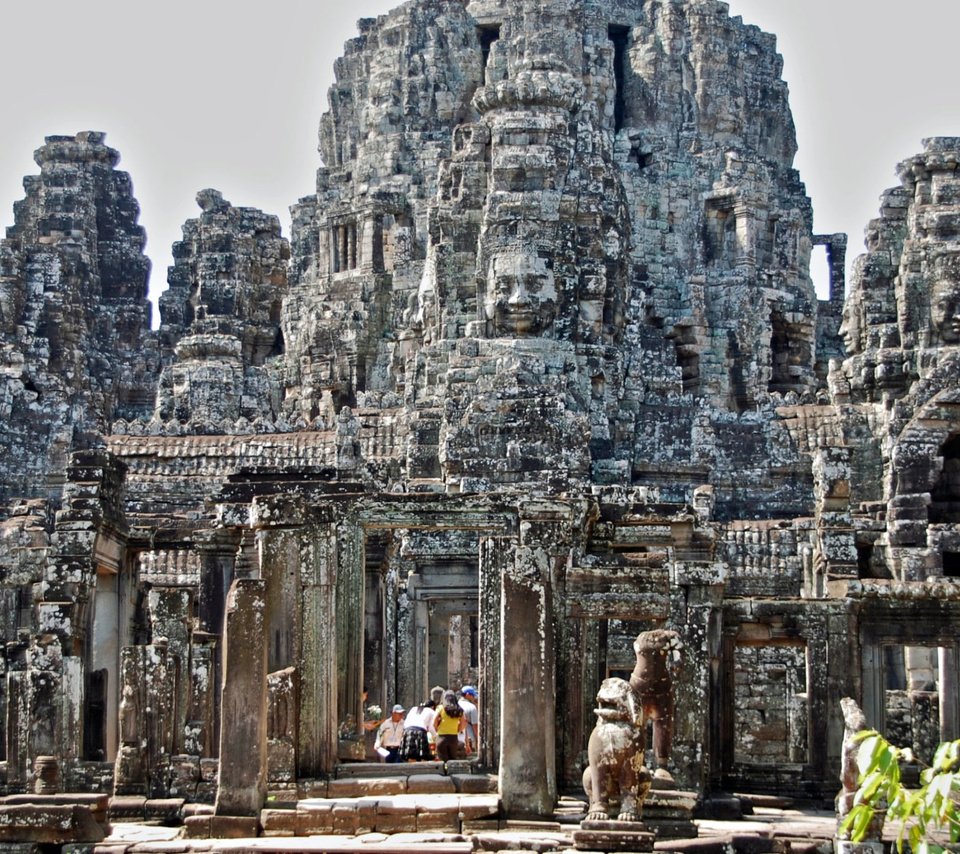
(770,832)
(438,822)
(669,813)
(613,836)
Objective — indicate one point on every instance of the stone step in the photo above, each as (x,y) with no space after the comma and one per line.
(96,802)
(423,781)
(401,843)
(350,770)
(352,816)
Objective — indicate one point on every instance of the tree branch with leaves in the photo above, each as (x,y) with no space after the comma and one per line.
(925,816)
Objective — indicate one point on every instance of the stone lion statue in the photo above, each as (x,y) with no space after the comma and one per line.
(658,654)
(615,749)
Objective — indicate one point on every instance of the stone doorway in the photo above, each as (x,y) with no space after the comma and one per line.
(911,694)
(421,614)
(418,605)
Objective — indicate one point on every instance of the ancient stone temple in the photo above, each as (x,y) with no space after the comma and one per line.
(540,367)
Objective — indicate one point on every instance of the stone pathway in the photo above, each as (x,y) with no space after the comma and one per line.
(780,831)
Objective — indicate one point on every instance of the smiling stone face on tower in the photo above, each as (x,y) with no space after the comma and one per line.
(521,294)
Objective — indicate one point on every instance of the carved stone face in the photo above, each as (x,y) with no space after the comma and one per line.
(850,327)
(521,295)
(945,299)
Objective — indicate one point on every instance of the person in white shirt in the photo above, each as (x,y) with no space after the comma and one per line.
(470,737)
(416,745)
(390,735)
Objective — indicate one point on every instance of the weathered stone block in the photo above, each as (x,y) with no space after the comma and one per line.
(53,824)
(479,806)
(127,807)
(278,822)
(233,827)
(432,783)
(344,818)
(197,826)
(475,784)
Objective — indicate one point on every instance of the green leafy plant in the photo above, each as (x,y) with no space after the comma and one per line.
(930,809)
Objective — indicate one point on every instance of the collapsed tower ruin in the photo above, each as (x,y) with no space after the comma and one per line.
(540,367)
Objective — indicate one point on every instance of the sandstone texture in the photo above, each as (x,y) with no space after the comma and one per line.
(540,367)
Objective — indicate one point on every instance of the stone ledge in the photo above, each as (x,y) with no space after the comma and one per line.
(96,802)
(52,824)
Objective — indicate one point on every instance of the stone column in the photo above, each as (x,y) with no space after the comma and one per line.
(241,786)
(438,645)
(390,595)
(528,780)
(217,551)
(921,664)
(494,554)
(349,620)
(317,741)
(949,722)
(148,683)
(835,540)
(695,682)
(202,734)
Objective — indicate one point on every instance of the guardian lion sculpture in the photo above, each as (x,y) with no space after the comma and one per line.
(616,749)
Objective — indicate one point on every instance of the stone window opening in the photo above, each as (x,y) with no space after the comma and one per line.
(911,691)
(820,270)
(786,355)
(919,696)
(865,558)
(945,495)
(767,248)
(487,34)
(738,396)
(620,37)
(687,351)
(770,718)
(951,564)
(719,231)
(598,385)
(344,239)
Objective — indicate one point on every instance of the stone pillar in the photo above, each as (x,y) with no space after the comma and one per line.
(217,551)
(947,685)
(921,664)
(494,554)
(528,780)
(438,645)
(241,786)
(202,734)
(148,683)
(170,615)
(352,245)
(836,547)
(694,681)
(409,689)
(846,661)
(391,594)
(279,568)
(317,724)
(349,621)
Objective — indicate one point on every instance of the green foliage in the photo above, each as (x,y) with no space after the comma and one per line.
(920,812)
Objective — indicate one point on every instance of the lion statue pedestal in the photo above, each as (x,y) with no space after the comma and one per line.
(616,773)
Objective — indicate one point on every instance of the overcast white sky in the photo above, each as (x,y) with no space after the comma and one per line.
(228,94)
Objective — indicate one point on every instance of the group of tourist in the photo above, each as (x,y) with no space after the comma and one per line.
(443,727)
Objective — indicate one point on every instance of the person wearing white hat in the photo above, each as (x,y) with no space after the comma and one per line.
(390,735)
(470,737)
